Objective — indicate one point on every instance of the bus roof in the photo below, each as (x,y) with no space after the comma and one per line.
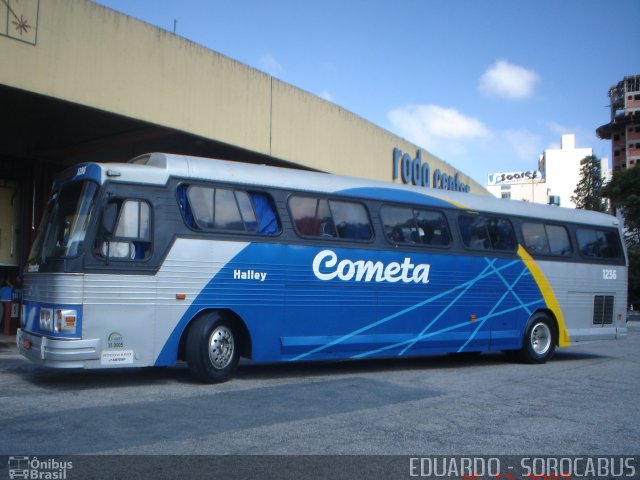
(158,168)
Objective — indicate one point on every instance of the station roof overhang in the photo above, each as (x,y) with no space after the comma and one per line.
(65,133)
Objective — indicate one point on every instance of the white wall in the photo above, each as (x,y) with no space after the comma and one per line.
(562,174)
(563,169)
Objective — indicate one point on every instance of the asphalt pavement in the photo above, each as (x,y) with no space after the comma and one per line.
(585,400)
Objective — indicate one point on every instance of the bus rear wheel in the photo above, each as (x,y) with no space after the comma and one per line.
(212,349)
(539,342)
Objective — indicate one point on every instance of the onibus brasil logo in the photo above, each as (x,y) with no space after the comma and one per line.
(33,468)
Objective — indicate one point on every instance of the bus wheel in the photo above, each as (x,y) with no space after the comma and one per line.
(539,341)
(212,349)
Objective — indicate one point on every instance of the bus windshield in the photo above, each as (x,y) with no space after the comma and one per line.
(64,225)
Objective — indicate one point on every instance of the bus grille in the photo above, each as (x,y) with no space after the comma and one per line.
(603,309)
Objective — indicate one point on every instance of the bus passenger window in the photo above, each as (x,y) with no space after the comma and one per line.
(268,223)
(414,226)
(474,231)
(598,243)
(131,239)
(316,217)
(535,238)
(185,207)
(608,242)
(432,227)
(558,240)
(501,234)
(226,212)
(543,239)
(229,210)
(201,203)
(351,220)
(398,224)
(588,243)
(246,211)
(310,216)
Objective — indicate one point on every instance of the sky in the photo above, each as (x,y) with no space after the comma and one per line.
(485,85)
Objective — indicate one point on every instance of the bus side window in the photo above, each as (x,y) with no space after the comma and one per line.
(131,236)
(474,231)
(227,214)
(398,223)
(432,227)
(351,220)
(185,207)
(226,209)
(535,238)
(608,242)
(558,237)
(200,203)
(268,223)
(319,217)
(598,243)
(544,239)
(501,234)
(309,214)
(587,242)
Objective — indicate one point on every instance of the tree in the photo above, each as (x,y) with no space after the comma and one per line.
(624,192)
(588,192)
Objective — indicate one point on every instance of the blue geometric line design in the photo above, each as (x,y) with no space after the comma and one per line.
(388,318)
(451,303)
(510,287)
(498,303)
(445,330)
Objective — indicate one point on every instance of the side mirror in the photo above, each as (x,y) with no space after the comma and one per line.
(109,218)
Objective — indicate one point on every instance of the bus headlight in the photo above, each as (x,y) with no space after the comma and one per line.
(46,317)
(60,320)
(66,320)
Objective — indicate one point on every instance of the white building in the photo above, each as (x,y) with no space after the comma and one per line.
(553,182)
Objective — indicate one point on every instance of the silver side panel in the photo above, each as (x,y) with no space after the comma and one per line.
(63,288)
(126,319)
(575,286)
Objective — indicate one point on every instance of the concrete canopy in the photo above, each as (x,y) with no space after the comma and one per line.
(87,83)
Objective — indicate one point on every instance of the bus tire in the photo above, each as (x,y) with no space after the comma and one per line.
(540,339)
(212,348)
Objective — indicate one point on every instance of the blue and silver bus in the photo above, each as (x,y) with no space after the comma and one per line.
(170,258)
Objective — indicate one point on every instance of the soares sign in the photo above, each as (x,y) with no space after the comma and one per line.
(512,178)
(415,171)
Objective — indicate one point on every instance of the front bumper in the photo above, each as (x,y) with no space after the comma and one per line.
(57,353)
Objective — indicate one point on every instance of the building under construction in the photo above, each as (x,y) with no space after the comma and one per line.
(624,128)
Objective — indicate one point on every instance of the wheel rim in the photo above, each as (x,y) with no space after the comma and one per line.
(540,338)
(221,347)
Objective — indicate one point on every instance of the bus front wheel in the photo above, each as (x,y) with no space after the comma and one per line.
(539,342)
(212,349)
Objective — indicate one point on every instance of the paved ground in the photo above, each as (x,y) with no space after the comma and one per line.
(585,401)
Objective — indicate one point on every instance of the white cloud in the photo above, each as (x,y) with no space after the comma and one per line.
(512,82)
(438,129)
(466,142)
(526,145)
(558,128)
(270,65)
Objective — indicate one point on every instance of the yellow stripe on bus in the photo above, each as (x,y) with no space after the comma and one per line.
(547,294)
